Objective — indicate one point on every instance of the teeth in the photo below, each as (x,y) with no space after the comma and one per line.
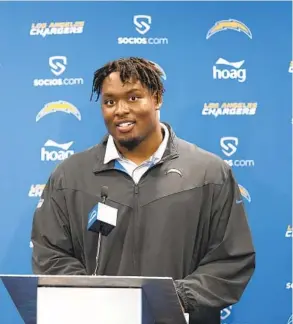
(125,124)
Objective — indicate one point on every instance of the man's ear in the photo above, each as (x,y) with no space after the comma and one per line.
(159,104)
(158,107)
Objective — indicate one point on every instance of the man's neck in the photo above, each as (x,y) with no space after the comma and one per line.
(145,149)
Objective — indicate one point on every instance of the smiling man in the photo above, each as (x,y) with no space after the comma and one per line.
(179,208)
(130,112)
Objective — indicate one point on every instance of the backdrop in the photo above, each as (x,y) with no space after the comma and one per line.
(228,89)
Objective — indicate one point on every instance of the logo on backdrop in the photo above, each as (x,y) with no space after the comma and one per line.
(58,65)
(60,153)
(164,76)
(229,146)
(289,231)
(142,25)
(290,67)
(36,190)
(234,73)
(58,106)
(57,28)
(225,314)
(216,109)
(289,285)
(244,193)
(229,24)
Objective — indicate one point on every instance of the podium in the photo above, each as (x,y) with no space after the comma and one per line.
(94,299)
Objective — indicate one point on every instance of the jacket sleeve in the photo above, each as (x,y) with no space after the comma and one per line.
(52,244)
(225,270)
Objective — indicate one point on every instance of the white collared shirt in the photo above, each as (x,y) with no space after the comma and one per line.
(134,170)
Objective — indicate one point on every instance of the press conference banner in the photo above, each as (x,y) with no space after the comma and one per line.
(228,78)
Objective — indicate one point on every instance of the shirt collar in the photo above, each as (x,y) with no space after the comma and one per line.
(113,154)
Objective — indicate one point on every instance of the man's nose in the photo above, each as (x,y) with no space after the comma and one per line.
(121,108)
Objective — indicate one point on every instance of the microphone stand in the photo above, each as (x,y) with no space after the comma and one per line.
(99,244)
(98,254)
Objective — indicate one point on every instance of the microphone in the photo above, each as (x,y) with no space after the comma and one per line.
(104,193)
(101,219)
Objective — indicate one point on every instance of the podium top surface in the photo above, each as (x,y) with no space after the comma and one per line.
(92,281)
(159,291)
(103,281)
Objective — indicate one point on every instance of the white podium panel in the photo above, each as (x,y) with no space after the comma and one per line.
(45,299)
(89,305)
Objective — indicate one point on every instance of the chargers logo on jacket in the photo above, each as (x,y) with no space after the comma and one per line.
(231,24)
(244,192)
(56,106)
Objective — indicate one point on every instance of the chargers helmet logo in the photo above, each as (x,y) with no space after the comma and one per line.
(56,106)
(244,192)
(163,74)
(231,24)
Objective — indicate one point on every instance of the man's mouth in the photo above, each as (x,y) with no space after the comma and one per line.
(125,124)
(125,127)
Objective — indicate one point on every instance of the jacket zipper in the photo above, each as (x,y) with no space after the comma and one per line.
(135,227)
(135,251)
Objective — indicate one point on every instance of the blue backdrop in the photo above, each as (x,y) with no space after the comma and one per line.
(228,89)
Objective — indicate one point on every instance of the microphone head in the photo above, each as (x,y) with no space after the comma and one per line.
(104,192)
(102,219)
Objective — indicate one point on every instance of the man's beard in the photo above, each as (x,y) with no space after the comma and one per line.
(131,143)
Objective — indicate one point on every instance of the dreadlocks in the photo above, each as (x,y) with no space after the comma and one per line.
(147,72)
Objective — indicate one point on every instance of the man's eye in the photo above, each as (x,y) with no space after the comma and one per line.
(133,98)
(109,102)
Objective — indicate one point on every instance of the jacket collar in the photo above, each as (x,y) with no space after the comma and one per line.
(113,154)
(171,151)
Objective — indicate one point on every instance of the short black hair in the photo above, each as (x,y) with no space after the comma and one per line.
(143,70)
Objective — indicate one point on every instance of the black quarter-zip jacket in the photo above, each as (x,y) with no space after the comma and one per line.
(184,219)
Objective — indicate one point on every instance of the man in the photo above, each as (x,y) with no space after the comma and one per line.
(180,212)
